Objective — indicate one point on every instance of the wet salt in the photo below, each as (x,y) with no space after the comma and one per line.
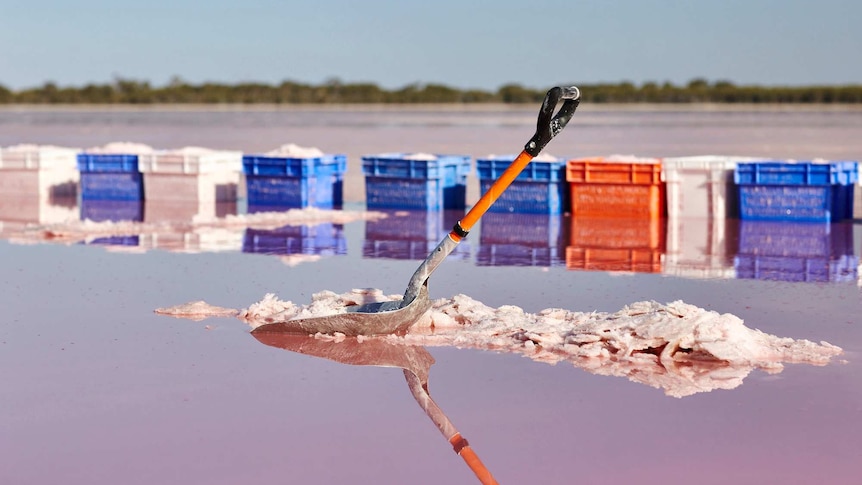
(677,347)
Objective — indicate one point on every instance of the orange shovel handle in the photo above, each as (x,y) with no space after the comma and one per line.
(493,193)
(548,126)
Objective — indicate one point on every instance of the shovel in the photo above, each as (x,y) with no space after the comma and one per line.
(390,317)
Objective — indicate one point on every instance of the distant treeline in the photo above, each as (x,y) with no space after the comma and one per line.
(127,91)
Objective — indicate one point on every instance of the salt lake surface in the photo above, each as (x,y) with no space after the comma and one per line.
(97,388)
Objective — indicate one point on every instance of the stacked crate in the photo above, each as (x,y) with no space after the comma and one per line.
(415,181)
(701,197)
(618,208)
(112,185)
(275,182)
(190,184)
(796,191)
(38,184)
(522,227)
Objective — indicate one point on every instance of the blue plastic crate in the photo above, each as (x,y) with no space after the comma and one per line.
(395,182)
(280,192)
(278,166)
(329,172)
(322,239)
(112,210)
(112,186)
(783,191)
(796,173)
(107,162)
(295,182)
(795,239)
(541,188)
(842,269)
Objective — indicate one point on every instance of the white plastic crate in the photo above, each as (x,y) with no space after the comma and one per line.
(190,161)
(37,157)
(38,171)
(701,186)
(191,173)
(698,248)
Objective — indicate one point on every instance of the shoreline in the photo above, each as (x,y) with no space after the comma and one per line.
(439,107)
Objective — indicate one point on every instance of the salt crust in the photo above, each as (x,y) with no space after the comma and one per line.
(122,147)
(677,347)
(293,150)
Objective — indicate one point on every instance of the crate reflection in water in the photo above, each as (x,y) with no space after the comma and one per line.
(796,251)
(606,244)
(512,239)
(102,210)
(411,234)
(325,239)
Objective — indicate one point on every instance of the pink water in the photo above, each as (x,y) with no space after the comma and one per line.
(96,388)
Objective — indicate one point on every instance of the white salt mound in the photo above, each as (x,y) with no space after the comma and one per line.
(630,159)
(295,151)
(420,156)
(122,148)
(28,148)
(680,348)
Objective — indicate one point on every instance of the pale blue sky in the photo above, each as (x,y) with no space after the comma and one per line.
(465,44)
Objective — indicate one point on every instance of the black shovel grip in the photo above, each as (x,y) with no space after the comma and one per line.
(549,124)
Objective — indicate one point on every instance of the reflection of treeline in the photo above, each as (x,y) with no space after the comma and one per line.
(128,91)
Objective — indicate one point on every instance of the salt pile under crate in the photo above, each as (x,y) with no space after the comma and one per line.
(292,177)
(539,189)
(111,172)
(411,234)
(796,191)
(415,181)
(519,239)
(38,184)
(796,251)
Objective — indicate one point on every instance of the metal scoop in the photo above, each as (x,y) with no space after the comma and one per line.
(396,316)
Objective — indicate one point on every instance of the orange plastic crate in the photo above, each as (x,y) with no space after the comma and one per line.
(606,188)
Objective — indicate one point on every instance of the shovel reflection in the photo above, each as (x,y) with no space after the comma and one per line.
(414,361)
